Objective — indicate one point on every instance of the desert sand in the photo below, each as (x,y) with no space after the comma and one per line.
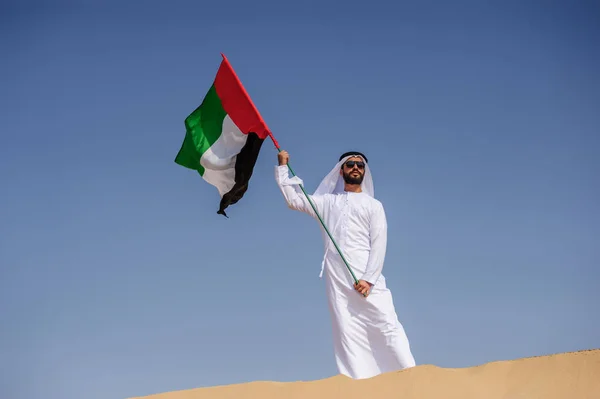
(574,375)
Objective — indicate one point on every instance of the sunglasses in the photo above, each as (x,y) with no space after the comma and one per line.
(350,164)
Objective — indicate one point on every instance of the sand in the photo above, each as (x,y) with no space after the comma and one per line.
(574,375)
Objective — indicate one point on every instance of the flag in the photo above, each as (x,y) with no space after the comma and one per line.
(223,137)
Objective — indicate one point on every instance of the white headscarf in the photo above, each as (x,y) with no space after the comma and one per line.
(333,183)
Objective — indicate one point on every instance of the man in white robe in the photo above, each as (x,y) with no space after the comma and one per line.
(368,338)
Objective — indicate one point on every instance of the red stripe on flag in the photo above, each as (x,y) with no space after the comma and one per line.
(237,103)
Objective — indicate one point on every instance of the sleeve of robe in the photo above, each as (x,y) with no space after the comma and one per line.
(378,234)
(295,198)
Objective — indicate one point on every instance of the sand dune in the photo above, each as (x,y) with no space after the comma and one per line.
(574,375)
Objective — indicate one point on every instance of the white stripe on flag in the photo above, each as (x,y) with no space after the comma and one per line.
(219,160)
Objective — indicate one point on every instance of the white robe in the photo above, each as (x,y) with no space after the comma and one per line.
(368,338)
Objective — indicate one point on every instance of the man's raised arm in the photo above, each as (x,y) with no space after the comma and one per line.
(290,188)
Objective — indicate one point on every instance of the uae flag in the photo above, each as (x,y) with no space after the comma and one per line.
(223,137)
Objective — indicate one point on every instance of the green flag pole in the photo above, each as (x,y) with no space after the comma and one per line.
(317,213)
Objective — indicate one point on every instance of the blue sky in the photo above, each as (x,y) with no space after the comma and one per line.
(119,279)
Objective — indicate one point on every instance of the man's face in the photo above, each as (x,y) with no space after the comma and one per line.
(353,170)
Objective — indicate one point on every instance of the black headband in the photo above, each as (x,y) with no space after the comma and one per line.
(356,153)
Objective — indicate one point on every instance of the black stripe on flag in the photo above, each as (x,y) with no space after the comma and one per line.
(244,165)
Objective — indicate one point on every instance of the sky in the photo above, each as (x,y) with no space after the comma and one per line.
(118,278)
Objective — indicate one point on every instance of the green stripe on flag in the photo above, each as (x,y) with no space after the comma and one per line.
(203,128)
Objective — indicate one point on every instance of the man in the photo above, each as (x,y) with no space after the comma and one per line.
(368,338)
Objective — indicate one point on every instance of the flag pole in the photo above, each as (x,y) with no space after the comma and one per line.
(317,213)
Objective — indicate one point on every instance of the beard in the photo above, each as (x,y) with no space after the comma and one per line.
(353,180)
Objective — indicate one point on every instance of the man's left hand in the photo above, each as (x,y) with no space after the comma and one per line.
(364,287)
